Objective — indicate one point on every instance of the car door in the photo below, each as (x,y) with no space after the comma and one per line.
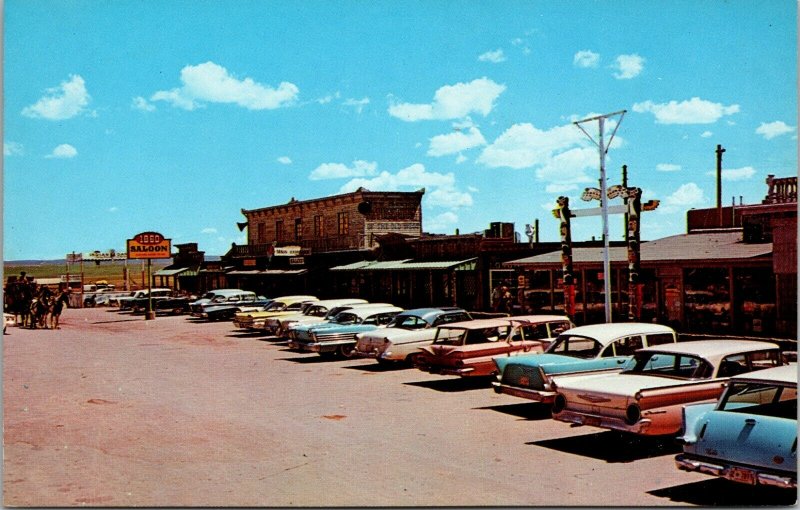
(618,352)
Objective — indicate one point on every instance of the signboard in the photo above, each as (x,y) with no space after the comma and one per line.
(297,261)
(149,245)
(97,255)
(287,251)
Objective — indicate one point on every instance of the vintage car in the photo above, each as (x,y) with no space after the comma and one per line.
(401,339)
(466,349)
(284,305)
(127,302)
(220,296)
(750,435)
(647,396)
(308,320)
(278,326)
(582,349)
(338,337)
(225,311)
(170,304)
(8,320)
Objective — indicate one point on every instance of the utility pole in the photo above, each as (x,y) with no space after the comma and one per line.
(603,198)
(719,152)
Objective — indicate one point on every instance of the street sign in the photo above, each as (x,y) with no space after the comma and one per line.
(149,245)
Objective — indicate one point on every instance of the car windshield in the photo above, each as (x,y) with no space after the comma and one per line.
(575,346)
(315,311)
(450,336)
(459,336)
(667,364)
(346,318)
(408,322)
(760,399)
(275,306)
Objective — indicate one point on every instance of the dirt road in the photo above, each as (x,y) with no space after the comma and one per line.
(113,410)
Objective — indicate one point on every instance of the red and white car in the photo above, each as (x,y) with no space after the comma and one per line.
(648,395)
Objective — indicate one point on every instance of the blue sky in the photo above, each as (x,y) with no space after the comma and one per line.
(128,116)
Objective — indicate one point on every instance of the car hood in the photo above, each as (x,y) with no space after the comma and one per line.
(337,329)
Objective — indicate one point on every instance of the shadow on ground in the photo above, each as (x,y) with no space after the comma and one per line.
(454,385)
(526,411)
(612,446)
(719,492)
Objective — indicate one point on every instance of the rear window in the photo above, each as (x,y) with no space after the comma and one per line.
(660,339)
(760,399)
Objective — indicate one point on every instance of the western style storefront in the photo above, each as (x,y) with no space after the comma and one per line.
(702,282)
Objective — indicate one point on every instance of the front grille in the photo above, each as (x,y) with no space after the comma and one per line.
(523,376)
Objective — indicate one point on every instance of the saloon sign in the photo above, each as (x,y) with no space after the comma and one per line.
(149,245)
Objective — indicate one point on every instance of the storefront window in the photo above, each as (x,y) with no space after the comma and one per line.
(754,301)
(707,299)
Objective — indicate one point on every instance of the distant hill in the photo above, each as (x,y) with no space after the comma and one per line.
(43,262)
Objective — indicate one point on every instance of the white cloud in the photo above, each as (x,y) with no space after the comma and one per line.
(772,129)
(63,102)
(452,102)
(210,82)
(628,66)
(570,166)
(706,134)
(693,111)
(340,171)
(460,159)
(358,104)
(452,143)
(443,223)
(140,103)
(523,146)
(209,230)
(494,57)
(448,197)
(585,59)
(667,167)
(735,174)
(63,151)
(285,160)
(560,188)
(12,149)
(686,195)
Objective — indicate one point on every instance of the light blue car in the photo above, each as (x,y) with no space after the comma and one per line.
(750,435)
(581,349)
(338,337)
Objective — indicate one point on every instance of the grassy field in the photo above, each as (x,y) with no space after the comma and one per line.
(112,273)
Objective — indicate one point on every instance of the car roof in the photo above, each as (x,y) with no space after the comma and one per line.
(781,374)
(294,299)
(369,310)
(607,333)
(431,312)
(223,292)
(715,348)
(538,318)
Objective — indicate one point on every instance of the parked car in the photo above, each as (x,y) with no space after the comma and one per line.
(466,349)
(220,296)
(224,307)
(647,396)
(284,305)
(226,310)
(582,349)
(126,303)
(8,320)
(174,305)
(750,435)
(401,339)
(309,320)
(279,325)
(338,337)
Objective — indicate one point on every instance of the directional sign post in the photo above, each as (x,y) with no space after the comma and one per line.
(149,245)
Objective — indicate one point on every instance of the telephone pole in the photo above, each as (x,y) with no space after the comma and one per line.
(603,148)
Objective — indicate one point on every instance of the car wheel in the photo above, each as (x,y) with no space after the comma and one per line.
(413,359)
(346,351)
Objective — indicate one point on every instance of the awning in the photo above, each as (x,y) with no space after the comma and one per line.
(408,265)
(266,272)
(170,272)
(716,246)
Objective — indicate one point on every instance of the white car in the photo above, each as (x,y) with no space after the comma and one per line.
(279,326)
(648,395)
(401,339)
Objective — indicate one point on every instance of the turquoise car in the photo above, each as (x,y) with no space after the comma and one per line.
(750,435)
(582,349)
(338,337)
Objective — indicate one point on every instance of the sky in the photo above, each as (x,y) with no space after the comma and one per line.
(172,116)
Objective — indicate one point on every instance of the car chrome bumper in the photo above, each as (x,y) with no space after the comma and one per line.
(605,422)
(687,463)
(546,397)
(433,369)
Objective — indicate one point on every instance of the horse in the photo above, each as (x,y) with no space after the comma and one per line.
(41,307)
(55,311)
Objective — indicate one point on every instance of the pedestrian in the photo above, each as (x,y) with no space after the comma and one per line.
(61,301)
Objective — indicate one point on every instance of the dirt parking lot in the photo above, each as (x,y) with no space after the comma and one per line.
(113,410)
